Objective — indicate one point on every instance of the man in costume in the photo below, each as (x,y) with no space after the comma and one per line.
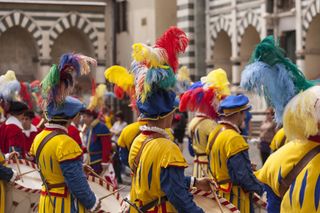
(98,142)
(13,135)
(203,97)
(228,155)
(159,184)
(29,131)
(290,174)
(65,187)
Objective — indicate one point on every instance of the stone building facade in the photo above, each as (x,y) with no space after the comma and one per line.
(34,33)
(233,28)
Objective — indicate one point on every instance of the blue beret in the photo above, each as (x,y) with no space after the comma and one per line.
(157,105)
(232,104)
(70,108)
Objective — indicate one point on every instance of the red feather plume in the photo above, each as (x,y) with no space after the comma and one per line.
(199,99)
(119,92)
(25,94)
(174,41)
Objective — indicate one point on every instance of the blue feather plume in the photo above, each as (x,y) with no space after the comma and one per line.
(70,59)
(274,82)
(9,89)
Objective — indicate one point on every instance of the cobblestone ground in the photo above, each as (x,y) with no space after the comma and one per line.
(253,153)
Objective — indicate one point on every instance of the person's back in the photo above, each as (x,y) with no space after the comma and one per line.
(199,130)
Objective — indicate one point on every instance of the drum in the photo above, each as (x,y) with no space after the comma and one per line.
(110,204)
(208,203)
(23,195)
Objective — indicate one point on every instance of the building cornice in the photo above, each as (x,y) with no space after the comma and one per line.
(71,3)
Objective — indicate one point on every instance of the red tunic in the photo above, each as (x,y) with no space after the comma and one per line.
(74,133)
(14,137)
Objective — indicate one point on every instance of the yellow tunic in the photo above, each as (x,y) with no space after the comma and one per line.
(227,144)
(278,140)
(199,130)
(129,133)
(2,189)
(158,153)
(304,194)
(58,149)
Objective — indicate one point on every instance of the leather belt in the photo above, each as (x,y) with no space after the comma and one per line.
(153,203)
(55,185)
(95,153)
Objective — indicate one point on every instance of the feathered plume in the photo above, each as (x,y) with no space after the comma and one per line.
(302,114)
(273,75)
(183,80)
(204,96)
(25,94)
(150,56)
(97,100)
(174,41)
(9,86)
(60,80)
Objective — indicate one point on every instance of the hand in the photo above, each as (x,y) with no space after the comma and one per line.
(13,154)
(29,157)
(87,169)
(254,167)
(203,184)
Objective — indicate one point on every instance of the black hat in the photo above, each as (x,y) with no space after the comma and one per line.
(17,107)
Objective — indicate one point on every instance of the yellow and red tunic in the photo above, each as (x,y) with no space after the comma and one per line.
(228,145)
(199,130)
(157,154)
(60,148)
(304,194)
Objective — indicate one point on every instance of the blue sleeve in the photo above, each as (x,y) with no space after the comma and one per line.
(176,187)
(239,168)
(191,151)
(274,202)
(124,153)
(77,182)
(5,173)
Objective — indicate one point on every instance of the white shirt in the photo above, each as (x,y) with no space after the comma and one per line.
(116,129)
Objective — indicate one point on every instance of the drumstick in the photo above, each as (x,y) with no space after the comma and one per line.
(214,191)
(98,176)
(216,197)
(35,170)
(108,195)
(18,165)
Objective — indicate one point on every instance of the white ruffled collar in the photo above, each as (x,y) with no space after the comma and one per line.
(13,120)
(155,129)
(56,126)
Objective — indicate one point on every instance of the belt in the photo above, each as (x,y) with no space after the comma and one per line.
(224,181)
(201,154)
(55,185)
(153,203)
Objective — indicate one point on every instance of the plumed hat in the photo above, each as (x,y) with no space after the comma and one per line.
(151,80)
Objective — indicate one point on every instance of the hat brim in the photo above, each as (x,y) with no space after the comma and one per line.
(144,117)
(246,108)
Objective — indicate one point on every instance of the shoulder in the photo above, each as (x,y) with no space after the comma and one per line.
(232,142)
(67,148)
(101,129)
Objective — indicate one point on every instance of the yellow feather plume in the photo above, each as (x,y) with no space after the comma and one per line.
(153,57)
(219,80)
(183,74)
(302,114)
(10,76)
(120,76)
(97,100)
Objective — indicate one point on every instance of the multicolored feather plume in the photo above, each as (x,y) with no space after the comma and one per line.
(174,41)
(59,82)
(204,96)
(9,86)
(273,75)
